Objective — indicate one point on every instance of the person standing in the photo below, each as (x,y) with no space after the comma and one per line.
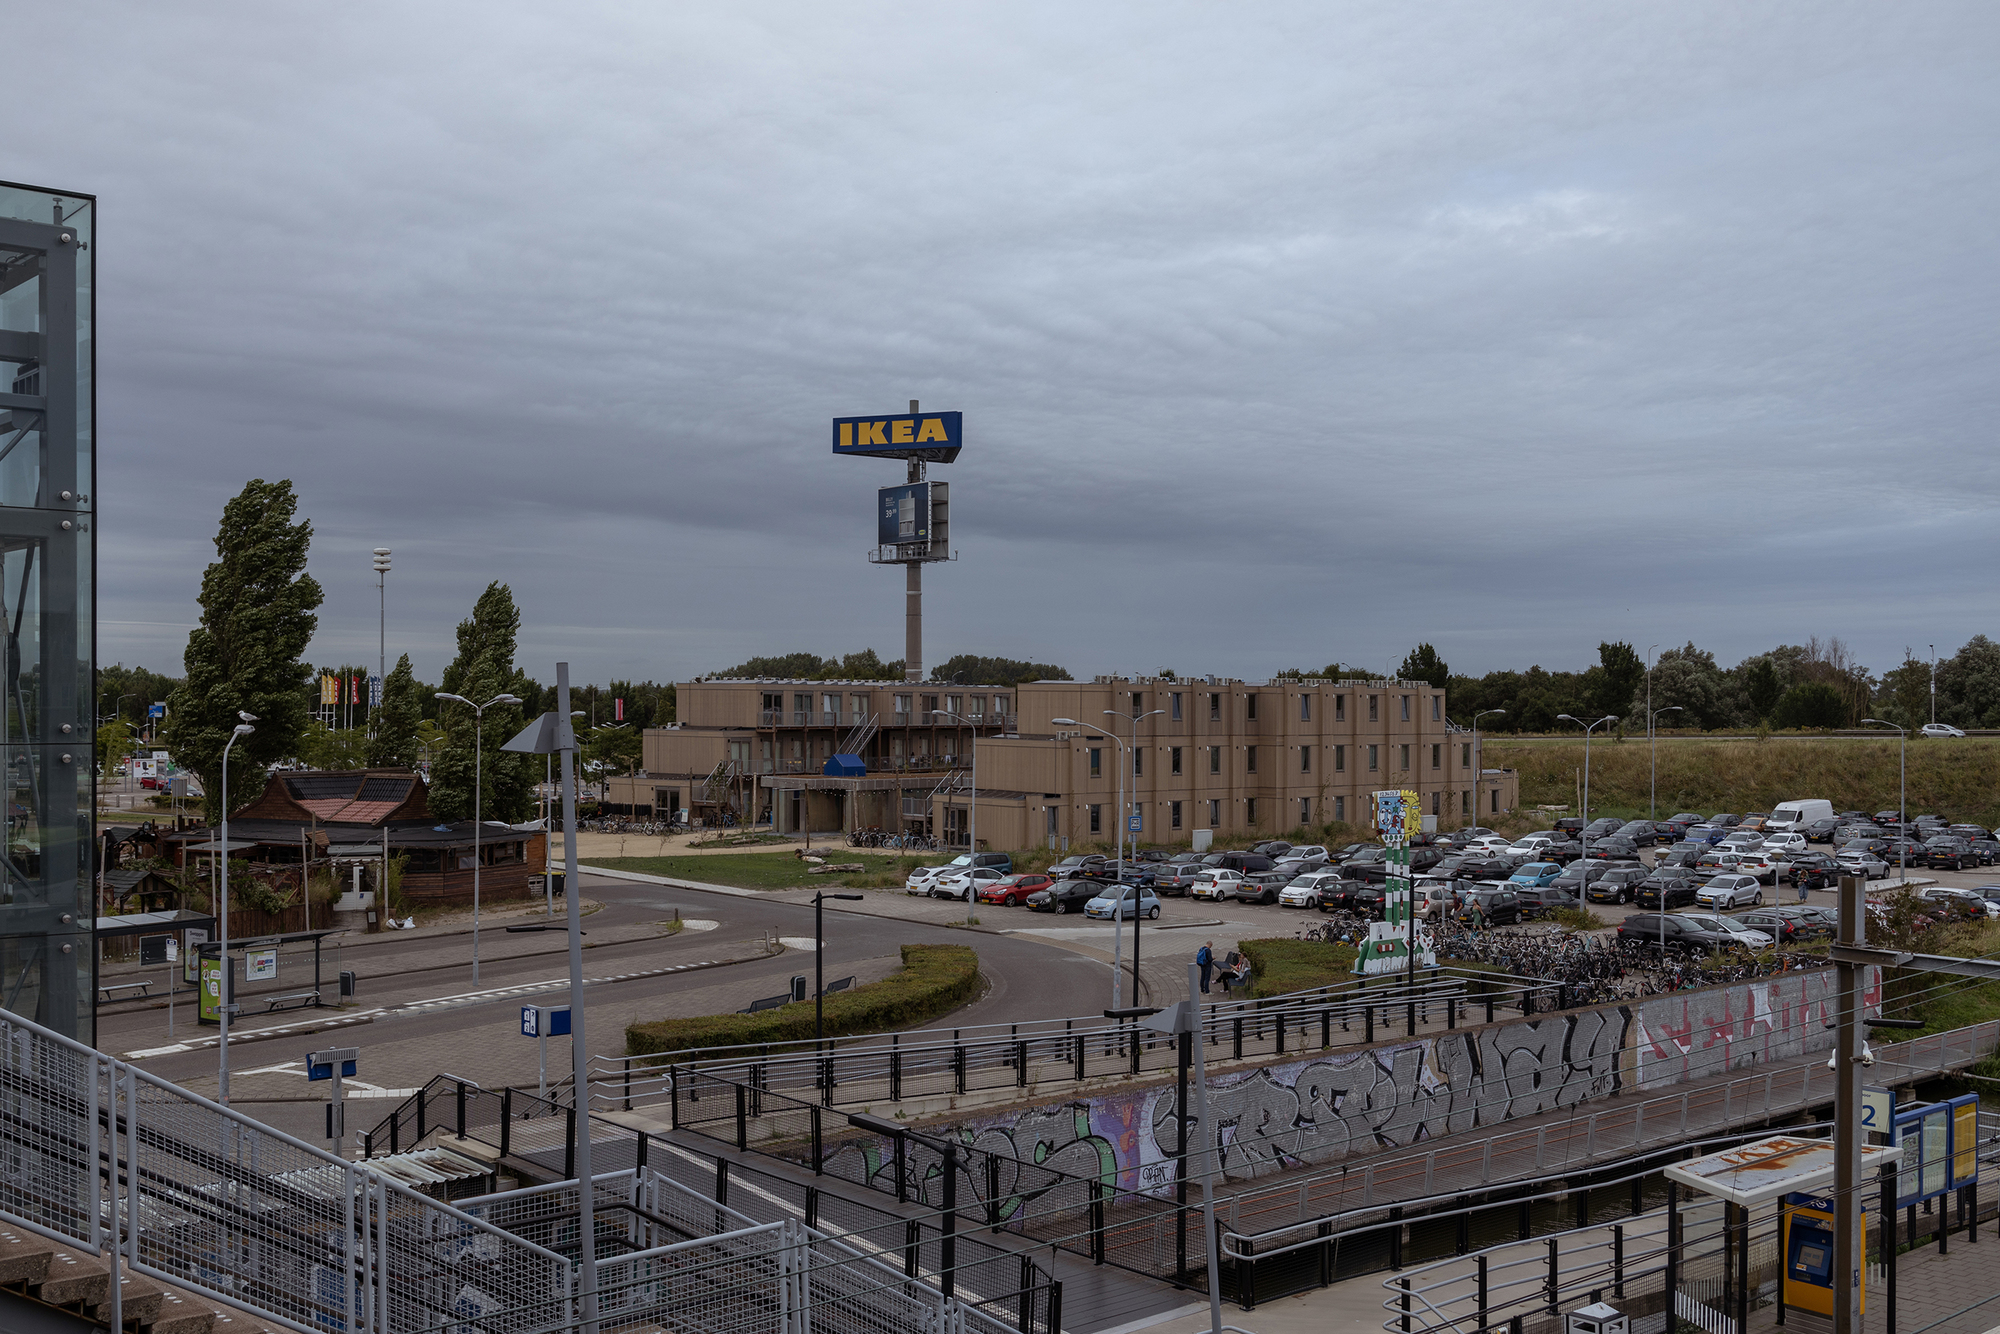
(1799,879)
(1204,959)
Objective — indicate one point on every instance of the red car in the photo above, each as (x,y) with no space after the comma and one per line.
(152,784)
(1014,889)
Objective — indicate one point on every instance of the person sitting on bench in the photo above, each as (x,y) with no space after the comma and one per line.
(1235,971)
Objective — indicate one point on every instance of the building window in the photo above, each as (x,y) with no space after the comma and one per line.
(1340,759)
(1249,759)
(978,707)
(1096,819)
(1305,810)
(1250,811)
(1174,814)
(1174,759)
(1437,759)
(1434,804)
(1174,705)
(1496,801)
(1138,703)
(829,706)
(1138,761)
(1406,708)
(1437,708)
(1465,754)
(1374,710)
(1096,762)
(1465,802)
(1250,712)
(1215,708)
(1215,759)
(1214,814)
(1340,708)
(1003,704)
(1406,758)
(1340,808)
(930,708)
(1374,756)
(902,708)
(1305,708)
(1305,759)
(955,706)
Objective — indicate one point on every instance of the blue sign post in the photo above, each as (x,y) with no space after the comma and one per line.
(543,1022)
(336,1064)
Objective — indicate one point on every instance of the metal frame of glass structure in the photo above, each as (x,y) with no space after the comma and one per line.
(48,400)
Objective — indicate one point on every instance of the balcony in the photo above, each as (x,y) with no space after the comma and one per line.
(771,718)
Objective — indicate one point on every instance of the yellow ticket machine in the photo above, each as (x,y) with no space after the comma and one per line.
(1806,1242)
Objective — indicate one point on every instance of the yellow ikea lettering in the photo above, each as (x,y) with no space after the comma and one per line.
(932,429)
(871,433)
(899,432)
(846,435)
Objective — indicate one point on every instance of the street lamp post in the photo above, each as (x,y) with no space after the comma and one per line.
(1653,732)
(1117,936)
(1583,834)
(971,818)
(1902,799)
(1478,762)
(478,776)
(1933,682)
(1125,814)
(382,621)
(819,963)
(243,729)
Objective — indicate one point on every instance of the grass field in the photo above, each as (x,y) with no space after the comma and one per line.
(1957,778)
(769,870)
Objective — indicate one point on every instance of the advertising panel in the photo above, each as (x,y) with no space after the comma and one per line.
(1398,816)
(210,1003)
(903,514)
(260,965)
(933,436)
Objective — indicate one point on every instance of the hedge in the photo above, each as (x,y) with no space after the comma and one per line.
(935,980)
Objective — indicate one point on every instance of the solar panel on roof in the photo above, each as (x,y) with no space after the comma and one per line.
(318,787)
(384,789)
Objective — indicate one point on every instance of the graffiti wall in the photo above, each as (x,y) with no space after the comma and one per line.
(1322,1109)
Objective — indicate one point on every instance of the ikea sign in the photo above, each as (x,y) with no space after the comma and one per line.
(935,437)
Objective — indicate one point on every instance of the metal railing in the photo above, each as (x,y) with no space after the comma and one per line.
(954,1062)
(115,1161)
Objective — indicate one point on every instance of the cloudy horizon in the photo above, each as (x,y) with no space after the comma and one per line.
(1282,335)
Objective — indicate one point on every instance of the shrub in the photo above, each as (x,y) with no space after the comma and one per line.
(935,980)
(1576,919)
(1281,965)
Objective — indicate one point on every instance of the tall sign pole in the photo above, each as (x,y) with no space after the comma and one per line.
(1395,944)
(1847,1234)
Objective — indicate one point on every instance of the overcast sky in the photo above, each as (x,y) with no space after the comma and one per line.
(1283,333)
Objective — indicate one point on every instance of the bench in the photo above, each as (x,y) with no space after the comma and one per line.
(107,992)
(298,1000)
(768,1003)
(841,985)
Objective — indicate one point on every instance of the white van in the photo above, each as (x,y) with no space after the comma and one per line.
(1789,815)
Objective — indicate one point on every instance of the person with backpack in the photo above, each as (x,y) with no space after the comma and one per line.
(1204,959)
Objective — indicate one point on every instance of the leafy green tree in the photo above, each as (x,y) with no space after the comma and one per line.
(483,669)
(616,746)
(784,666)
(1969,685)
(1905,692)
(1763,685)
(395,744)
(1687,677)
(1812,704)
(1621,672)
(979,671)
(247,654)
(331,748)
(1422,663)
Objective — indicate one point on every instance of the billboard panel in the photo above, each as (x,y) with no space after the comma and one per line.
(903,514)
(932,436)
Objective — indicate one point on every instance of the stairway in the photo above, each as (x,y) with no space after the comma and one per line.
(51,1285)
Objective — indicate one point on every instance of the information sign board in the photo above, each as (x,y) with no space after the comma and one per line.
(935,437)
(260,965)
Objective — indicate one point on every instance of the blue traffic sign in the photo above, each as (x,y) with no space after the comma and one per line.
(326,1071)
(1135,824)
(544,1021)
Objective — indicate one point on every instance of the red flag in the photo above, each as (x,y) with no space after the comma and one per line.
(620,708)
(354,690)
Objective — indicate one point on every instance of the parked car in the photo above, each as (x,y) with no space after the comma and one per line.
(1863,864)
(919,880)
(1013,889)
(1772,923)
(1348,896)
(1570,826)
(1614,849)
(1578,876)
(1217,884)
(1665,892)
(1273,848)
(1089,863)
(1497,907)
(1421,860)
(1728,890)
(1536,874)
(1488,843)
(1946,850)
(1962,904)
(1176,880)
(1649,833)
(1618,884)
(1747,936)
(1820,831)
(1939,729)
(1306,891)
(1262,887)
(1541,902)
(1813,923)
(1987,849)
(1818,869)
(1602,828)
(1531,845)
(1119,902)
(964,884)
(1786,842)
(1671,934)
(1067,895)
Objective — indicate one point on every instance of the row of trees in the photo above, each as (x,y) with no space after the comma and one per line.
(1817,684)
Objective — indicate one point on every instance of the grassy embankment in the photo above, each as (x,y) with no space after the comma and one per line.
(1958,778)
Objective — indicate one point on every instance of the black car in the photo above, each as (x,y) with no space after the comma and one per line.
(1887,817)
(1082,864)
(1656,931)
(1945,850)
(1497,907)
(1421,860)
(1571,825)
(1906,852)
(1603,828)
(1821,831)
(1819,870)
(1987,848)
(1245,862)
(1677,891)
(1336,895)
(1813,923)
(1679,857)
(1541,902)
(1614,849)
(1493,867)
(1069,894)
(1562,850)
(1577,877)
(1782,929)
(1273,848)
(1618,884)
